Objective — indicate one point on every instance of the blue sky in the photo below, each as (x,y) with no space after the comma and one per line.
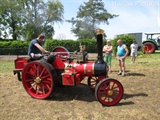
(134,16)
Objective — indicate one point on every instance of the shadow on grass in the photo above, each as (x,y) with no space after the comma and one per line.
(135,74)
(83,93)
(142,62)
(131,74)
(80,92)
(125,103)
(127,96)
(118,71)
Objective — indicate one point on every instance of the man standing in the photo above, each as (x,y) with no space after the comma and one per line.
(122,52)
(35,48)
(134,51)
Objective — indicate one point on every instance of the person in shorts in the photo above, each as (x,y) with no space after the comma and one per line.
(134,51)
(122,52)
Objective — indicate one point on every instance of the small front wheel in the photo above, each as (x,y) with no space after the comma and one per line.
(109,91)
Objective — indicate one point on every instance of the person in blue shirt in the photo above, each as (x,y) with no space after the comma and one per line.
(122,52)
(35,48)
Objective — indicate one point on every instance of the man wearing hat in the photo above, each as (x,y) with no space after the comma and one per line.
(134,51)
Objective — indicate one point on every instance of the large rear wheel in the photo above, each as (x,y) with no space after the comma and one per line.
(38,78)
(61,51)
(109,92)
(149,47)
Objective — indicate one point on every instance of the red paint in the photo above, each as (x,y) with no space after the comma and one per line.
(20,63)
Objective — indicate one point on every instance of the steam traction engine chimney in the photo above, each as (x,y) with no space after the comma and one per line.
(100,67)
(99,33)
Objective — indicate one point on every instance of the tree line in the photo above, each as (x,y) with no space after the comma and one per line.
(26,19)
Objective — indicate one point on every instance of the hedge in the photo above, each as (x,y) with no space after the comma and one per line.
(18,47)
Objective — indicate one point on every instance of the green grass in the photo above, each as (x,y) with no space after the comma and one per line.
(6,65)
(152,60)
(143,60)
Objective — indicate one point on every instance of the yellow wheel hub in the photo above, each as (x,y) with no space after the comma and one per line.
(110,92)
(37,80)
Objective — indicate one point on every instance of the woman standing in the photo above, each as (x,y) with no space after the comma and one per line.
(107,49)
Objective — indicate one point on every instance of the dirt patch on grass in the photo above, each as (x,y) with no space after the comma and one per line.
(140,100)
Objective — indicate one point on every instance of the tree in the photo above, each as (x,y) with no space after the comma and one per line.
(29,18)
(82,29)
(41,17)
(11,18)
(91,14)
(127,39)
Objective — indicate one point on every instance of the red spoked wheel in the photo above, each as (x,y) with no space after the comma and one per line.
(93,81)
(109,92)
(38,78)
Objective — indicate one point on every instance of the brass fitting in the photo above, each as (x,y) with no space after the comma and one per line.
(99,31)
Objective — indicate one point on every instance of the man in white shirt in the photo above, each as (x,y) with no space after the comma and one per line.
(134,51)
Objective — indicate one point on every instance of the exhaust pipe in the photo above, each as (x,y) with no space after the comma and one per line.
(99,34)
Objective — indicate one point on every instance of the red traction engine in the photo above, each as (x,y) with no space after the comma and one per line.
(60,67)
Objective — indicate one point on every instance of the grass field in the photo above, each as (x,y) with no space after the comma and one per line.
(141,100)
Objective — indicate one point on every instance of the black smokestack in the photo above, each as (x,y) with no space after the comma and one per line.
(100,45)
